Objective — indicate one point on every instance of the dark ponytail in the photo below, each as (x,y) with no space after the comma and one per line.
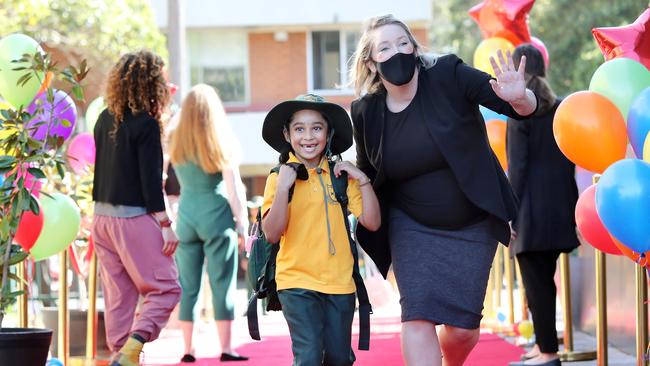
(536,76)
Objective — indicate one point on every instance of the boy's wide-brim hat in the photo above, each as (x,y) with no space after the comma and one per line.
(277,119)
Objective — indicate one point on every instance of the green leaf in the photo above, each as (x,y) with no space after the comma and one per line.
(65,122)
(18,279)
(37,173)
(60,170)
(33,205)
(78,92)
(7,161)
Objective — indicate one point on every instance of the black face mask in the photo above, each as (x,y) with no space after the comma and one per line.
(399,69)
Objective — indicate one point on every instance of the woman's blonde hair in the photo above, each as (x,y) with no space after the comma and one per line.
(137,83)
(364,80)
(203,135)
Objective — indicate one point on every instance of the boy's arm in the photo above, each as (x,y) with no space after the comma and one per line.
(275,219)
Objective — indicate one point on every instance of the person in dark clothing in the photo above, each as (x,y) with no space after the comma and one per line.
(445,199)
(131,230)
(544,181)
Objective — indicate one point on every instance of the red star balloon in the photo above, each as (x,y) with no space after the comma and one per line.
(503,18)
(630,41)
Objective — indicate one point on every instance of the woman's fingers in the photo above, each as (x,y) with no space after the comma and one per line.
(522,66)
(495,67)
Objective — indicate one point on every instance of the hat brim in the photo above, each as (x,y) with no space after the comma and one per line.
(277,118)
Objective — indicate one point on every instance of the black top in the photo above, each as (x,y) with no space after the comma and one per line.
(451,91)
(544,180)
(422,183)
(128,168)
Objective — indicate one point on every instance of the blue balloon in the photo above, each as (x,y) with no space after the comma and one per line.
(623,202)
(638,121)
(489,114)
(54,362)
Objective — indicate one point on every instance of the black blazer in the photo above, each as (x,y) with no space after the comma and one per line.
(450,93)
(538,171)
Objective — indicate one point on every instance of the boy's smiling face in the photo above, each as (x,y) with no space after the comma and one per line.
(307,135)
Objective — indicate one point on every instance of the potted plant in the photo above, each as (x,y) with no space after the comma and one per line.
(22,160)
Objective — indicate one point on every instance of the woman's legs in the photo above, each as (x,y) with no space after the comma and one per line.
(456,344)
(538,271)
(420,345)
(189,258)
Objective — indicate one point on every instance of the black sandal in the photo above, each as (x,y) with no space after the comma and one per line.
(188,358)
(229,357)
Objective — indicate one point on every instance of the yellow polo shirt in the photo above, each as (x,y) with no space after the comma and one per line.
(304,260)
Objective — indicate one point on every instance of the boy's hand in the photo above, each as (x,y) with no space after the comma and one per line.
(286,177)
(353,171)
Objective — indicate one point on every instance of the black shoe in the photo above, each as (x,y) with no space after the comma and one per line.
(228,357)
(555,362)
(524,357)
(188,358)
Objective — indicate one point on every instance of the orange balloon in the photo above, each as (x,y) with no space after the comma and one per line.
(634,256)
(496,131)
(590,131)
(46,82)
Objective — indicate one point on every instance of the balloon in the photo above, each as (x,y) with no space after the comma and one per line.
(589,223)
(489,47)
(584,179)
(12,47)
(631,41)
(638,121)
(623,203)
(64,109)
(590,131)
(634,256)
(525,328)
(489,114)
(496,131)
(60,225)
(92,113)
(54,362)
(621,80)
(81,152)
(503,18)
(537,43)
(29,229)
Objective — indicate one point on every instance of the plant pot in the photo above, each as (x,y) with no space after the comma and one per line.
(77,326)
(24,346)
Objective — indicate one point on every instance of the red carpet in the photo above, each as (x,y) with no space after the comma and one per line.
(275,348)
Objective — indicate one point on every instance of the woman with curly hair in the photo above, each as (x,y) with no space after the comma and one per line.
(131,230)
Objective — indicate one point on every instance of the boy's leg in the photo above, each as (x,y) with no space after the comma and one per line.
(303,310)
(339,312)
(120,294)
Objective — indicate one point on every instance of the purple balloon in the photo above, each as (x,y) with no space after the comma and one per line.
(64,108)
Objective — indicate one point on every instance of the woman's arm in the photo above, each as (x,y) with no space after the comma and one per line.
(237,199)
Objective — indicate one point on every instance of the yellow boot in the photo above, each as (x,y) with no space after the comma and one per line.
(129,353)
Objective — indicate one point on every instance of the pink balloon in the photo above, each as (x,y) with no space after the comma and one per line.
(541,47)
(81,152)
(590,225)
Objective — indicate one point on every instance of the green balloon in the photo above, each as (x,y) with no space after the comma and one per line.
(621,80)
(92,113)
(12,47)
(61,223)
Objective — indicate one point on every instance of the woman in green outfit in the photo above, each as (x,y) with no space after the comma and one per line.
(212,213)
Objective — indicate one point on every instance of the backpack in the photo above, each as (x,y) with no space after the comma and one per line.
(261,268)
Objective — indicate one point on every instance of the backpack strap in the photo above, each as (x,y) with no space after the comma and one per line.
(340,185)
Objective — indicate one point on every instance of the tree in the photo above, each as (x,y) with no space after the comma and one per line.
(563,25)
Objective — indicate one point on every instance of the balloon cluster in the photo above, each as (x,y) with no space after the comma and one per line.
(54,115)
(592,128)
(504,25)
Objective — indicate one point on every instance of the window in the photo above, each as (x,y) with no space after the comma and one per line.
(330,55)
(219,58)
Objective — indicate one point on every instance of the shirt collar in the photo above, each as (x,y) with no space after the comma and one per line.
(323,164)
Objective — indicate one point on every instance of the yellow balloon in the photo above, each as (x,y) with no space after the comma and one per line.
(646,148)
(489,47)
(525,329)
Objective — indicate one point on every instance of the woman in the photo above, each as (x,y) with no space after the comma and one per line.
(544,227)
(131,230)
(211,213)
(445,200)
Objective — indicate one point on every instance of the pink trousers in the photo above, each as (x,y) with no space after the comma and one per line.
(131,263)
